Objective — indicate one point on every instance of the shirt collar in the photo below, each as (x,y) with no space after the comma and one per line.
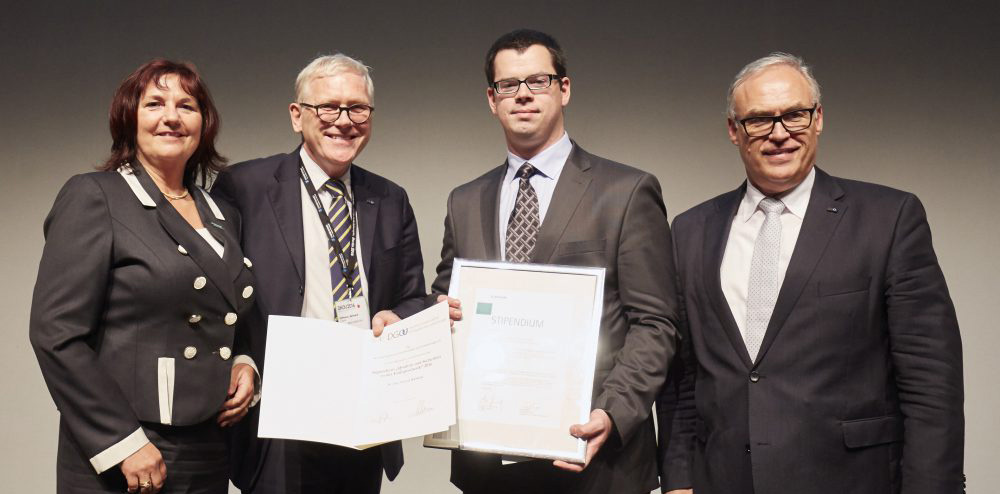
(549,162)
(795,200)
(317,175)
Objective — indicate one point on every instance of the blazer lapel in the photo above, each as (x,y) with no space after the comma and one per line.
(717,228)
(181,232)
(286,201)
(569,192)
(366,203)
(489,208)
(822,217)
(221,228)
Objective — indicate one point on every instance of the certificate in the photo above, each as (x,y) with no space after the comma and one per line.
(524,356)
(335,383)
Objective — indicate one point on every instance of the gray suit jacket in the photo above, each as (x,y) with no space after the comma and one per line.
(602,214)
(120,278)
(858,384)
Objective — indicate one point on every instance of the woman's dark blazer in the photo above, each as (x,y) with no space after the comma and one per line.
(134,317)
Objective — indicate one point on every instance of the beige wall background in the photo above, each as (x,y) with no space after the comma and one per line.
(910,95)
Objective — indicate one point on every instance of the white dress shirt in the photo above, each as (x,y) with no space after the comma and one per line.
(735,269)
(317,301)
(549,164)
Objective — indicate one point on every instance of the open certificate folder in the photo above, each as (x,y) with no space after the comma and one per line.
(337,384)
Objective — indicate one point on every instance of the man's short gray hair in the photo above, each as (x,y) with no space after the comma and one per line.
(777,58)
(331,65)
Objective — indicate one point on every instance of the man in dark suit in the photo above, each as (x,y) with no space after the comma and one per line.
(553,202)
(824,352)
(370,254)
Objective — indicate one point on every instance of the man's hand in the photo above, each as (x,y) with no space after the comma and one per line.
(383,319)
(594,432)
(144,468)
(454,308)
(681,491)
(240,395)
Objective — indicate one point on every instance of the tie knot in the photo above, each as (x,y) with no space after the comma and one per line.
(526,171)
(336,187)
(771,205)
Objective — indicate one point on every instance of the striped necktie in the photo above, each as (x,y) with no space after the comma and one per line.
(346,282)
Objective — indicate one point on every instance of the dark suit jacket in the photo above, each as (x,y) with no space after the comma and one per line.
(115,293)
(858,384)
(602,214)
(267,192)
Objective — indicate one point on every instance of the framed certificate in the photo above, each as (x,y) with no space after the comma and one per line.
(524,356)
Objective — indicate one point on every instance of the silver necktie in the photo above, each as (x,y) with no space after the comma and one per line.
(522,228)
(763,290)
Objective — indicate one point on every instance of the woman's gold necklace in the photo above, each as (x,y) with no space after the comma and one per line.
(175,197)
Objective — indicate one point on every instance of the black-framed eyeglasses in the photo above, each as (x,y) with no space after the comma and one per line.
(329,113)
(793,121)
(535,82)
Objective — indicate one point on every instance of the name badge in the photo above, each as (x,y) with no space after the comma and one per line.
(353,311)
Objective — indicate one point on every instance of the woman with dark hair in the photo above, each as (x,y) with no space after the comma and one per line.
(142,295)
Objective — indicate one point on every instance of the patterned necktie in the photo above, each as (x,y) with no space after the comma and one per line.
(522,228)
(763,290)
(340,220)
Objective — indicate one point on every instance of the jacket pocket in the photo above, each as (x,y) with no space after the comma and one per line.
(840,287)
(580,247)
(872,431)
(165,387)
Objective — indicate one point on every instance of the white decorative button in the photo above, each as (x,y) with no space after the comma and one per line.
(194,319)
(182,250)
(225,353)
(247,262)
(190,352)
(230,319)
(248,291)
(199,282)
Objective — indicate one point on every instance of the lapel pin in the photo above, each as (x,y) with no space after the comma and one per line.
(216,225)
(370,201)
(831,210)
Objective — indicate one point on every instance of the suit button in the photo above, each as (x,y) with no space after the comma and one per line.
(182,250)
(748,448)
(754,377)
(248,291)
(302,289)
(190,352)
(200,282)
(230,319)
(225,353)
(247,263)
(194,319)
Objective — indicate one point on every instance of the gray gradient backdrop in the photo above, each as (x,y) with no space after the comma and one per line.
(910,94)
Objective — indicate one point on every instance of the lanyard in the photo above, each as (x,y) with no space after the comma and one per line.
(347,262)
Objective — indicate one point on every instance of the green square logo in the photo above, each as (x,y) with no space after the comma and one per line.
(484,309)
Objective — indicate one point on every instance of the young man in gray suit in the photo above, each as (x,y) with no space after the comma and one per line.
(825,355)
(552,202)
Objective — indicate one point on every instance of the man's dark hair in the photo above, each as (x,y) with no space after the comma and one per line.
(521,40)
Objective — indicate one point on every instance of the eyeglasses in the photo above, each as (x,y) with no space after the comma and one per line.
(329,113)
(535,82)
(793,121)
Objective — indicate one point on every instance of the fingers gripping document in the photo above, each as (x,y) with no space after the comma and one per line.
(337,384)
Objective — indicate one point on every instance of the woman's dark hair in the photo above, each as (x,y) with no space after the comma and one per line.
(123,117)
